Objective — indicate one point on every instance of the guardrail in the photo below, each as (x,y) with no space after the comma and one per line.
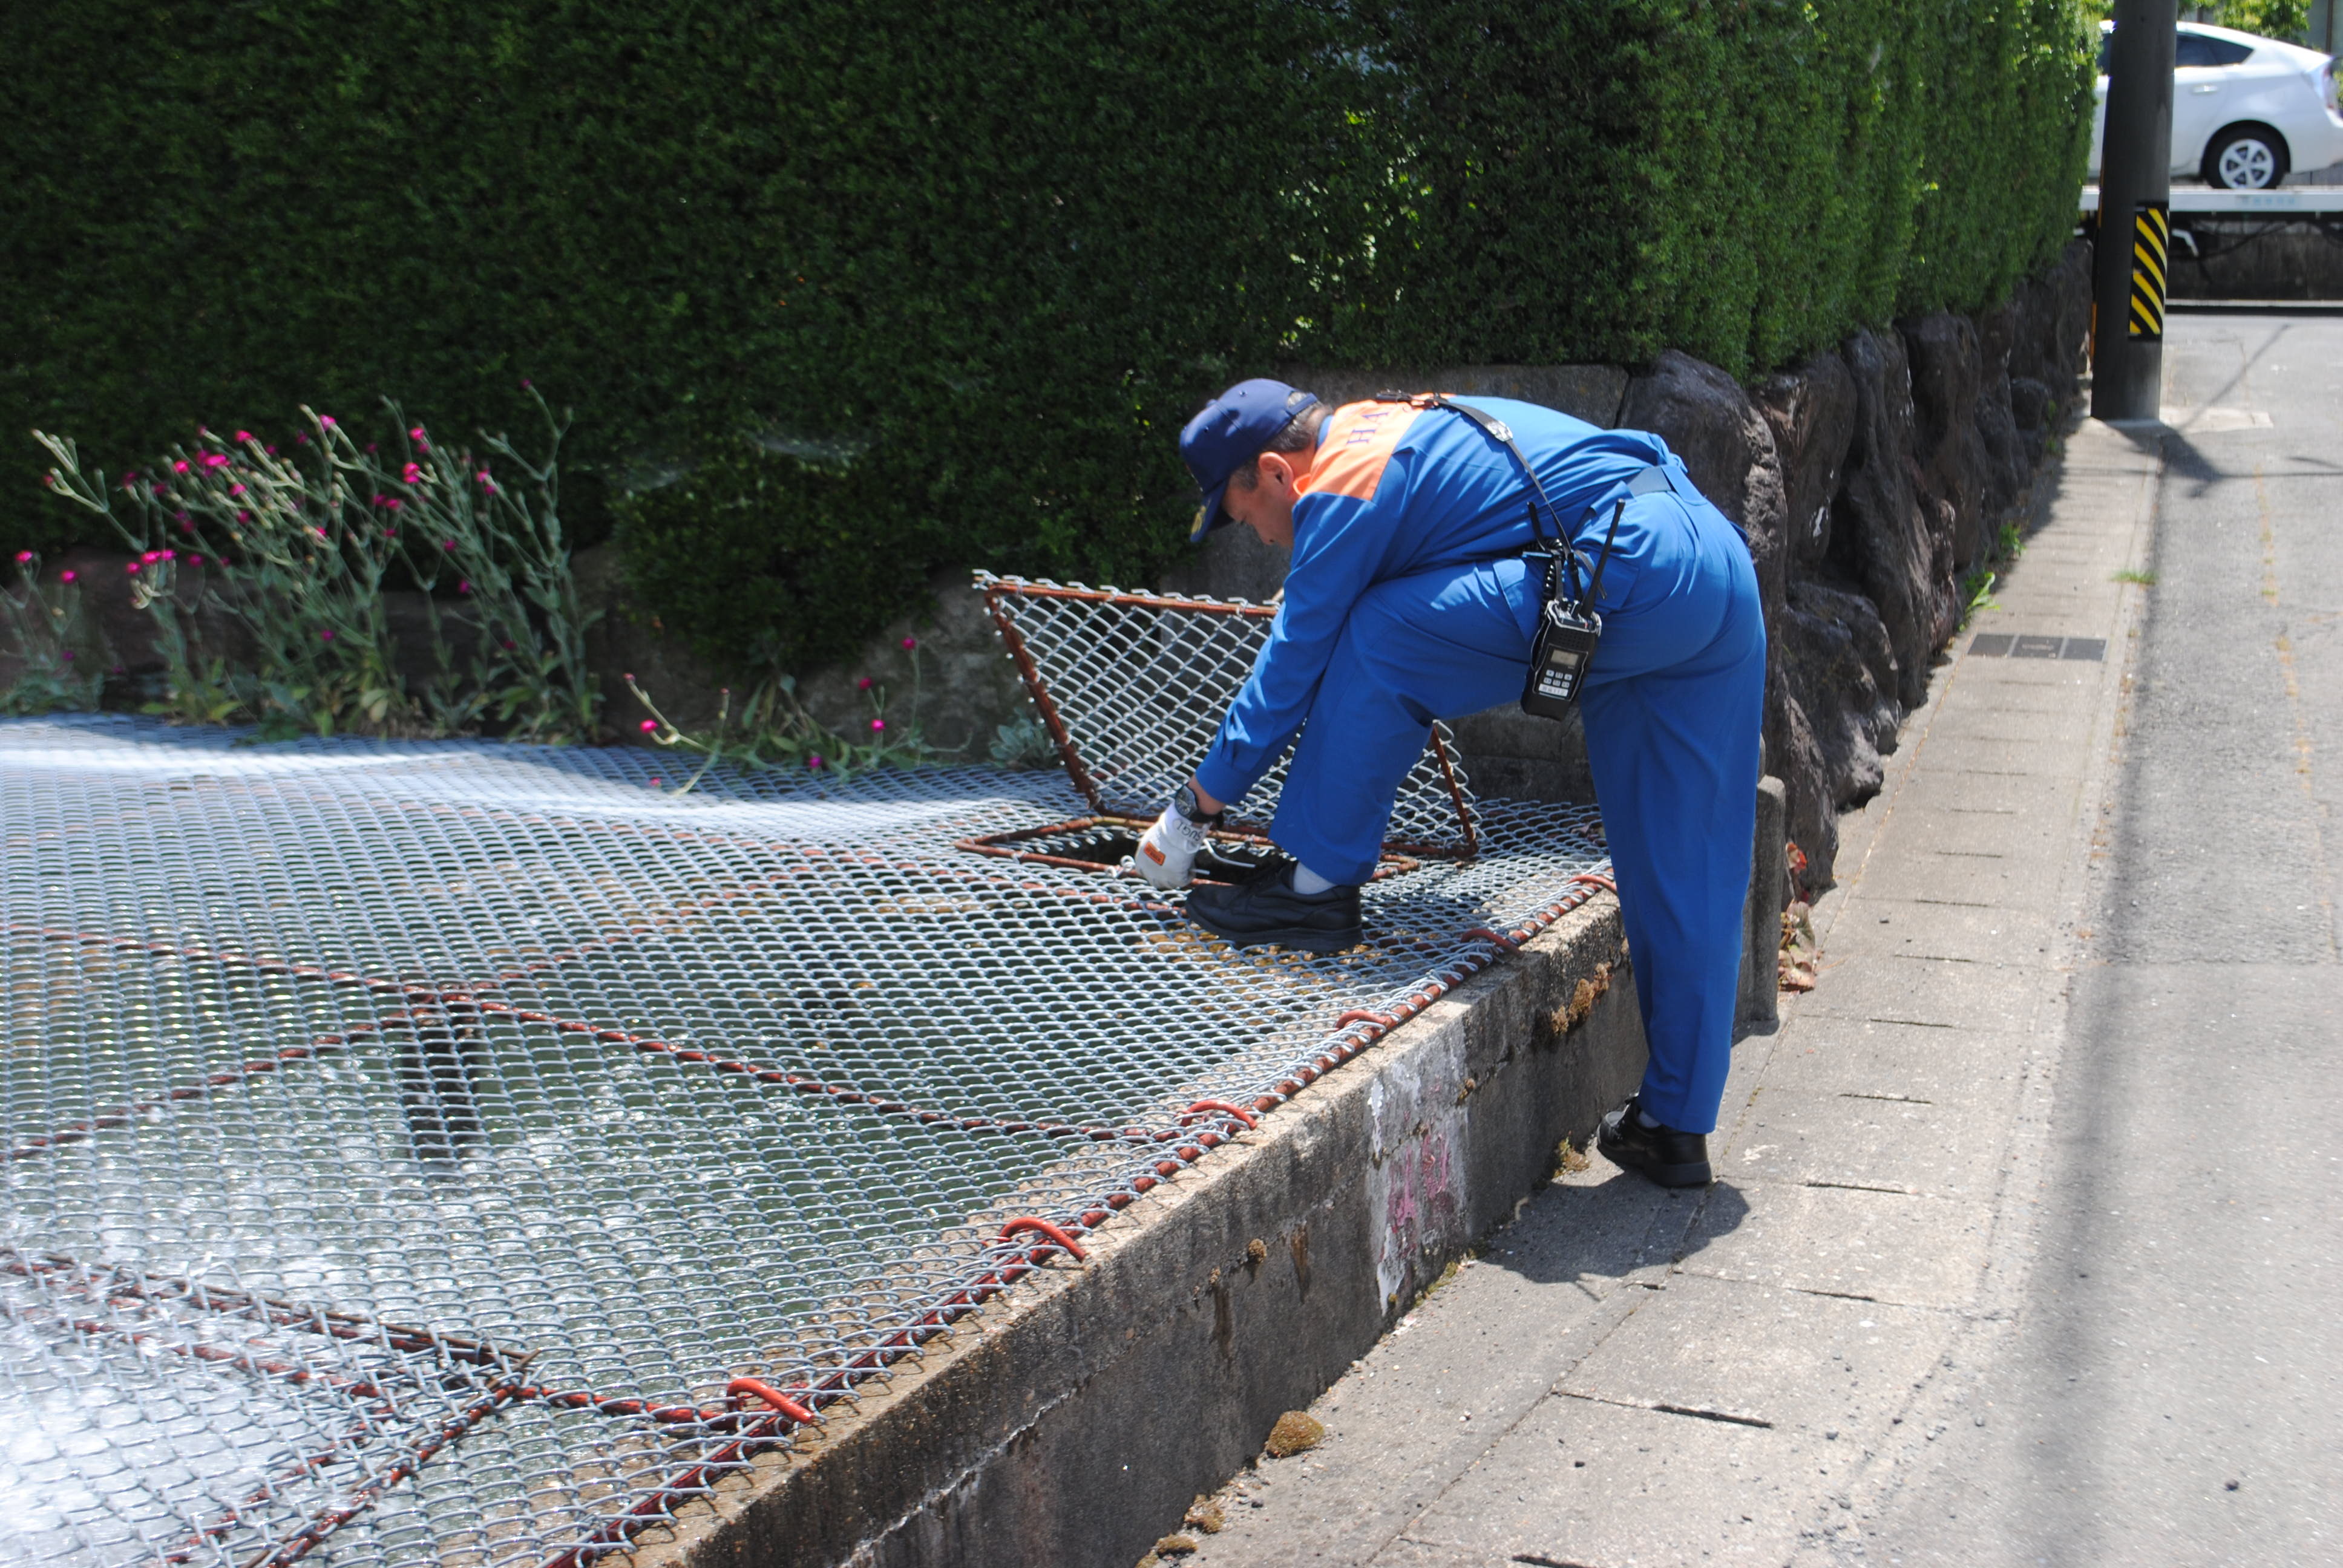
(2302,201)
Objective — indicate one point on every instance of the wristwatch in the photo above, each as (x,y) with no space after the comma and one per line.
(1188,806)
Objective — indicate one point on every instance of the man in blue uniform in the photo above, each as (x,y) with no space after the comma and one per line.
(1407,601)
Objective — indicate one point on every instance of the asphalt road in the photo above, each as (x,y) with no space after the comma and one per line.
(2170,1389)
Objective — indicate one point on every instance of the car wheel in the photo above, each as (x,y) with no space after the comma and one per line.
(2246,158)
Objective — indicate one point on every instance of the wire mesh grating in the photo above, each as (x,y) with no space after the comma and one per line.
(459,1152)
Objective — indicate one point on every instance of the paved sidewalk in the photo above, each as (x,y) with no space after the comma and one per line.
(1632,1376)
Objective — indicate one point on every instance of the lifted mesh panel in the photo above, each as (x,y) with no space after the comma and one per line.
(1132,687)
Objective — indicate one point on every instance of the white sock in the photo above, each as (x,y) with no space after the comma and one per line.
(1644,1116)
(1309,883)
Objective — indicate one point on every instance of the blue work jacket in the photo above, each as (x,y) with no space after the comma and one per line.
(1396,491)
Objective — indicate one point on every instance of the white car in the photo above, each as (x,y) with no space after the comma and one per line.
(2245,110)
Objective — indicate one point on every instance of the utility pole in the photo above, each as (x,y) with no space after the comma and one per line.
(2134,215)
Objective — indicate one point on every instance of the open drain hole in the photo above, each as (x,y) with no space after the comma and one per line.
(1103,843)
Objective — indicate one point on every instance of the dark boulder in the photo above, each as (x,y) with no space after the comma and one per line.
(1707,419)
(1811,411)
(2007,462)
(1883,539)
(2031,405)
(1947,375)
(1839,709)
(2053,310)
(1793,755)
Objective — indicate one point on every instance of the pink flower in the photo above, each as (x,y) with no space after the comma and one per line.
(391,505)
(232,489)
(877,724)
(657,782)
(300,441)
(244,435)
(195,560)
(151,556)
(326,634)
(272,451)
(326,420)
(508,642)
(863,684)
(910,642)
(648,725)
(373,447)
(389,533)
(161,490)
(446,544)
(412,474)
(376,499)
(168,555)
(414,433)
(464,586)
(525,386)
(131,567)
(214,460)
(814,760)
(24,556)
(67,577)
(180,467)
(244,517)
(319,531)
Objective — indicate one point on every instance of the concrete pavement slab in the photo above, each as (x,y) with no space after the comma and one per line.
(1990,935)
(1962,880)
(2004,759)
(1584,1484)
(1871,1140)
(1940,1067)
(1889,1247)
(1822,1365)
(1997,997)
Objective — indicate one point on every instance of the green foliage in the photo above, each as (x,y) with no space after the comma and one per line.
(846,294)
(2288,19)
(292,547)
(42,634)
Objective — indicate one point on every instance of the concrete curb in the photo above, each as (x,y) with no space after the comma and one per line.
(1068,1419)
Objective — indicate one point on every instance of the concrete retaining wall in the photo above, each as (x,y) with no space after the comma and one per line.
(2254,258)
(1070,1423)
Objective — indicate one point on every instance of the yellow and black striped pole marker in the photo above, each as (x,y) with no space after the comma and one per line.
(2151,245)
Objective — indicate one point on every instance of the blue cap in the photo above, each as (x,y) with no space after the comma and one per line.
(1233,429)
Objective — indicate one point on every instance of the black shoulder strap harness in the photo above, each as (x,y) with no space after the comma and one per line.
(1560,550)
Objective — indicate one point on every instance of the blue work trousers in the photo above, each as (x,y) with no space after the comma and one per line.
(1672,707)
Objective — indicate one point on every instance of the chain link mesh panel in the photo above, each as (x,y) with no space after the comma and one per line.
(1132,687)
(462,1152)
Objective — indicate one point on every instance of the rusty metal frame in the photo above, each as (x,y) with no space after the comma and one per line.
(1070,753)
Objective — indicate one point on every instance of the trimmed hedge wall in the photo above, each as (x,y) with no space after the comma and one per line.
(844,294)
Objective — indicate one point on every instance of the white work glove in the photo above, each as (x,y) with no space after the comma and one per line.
(1167,854)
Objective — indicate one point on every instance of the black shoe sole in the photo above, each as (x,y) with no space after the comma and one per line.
(1693,1173)
(1300,940)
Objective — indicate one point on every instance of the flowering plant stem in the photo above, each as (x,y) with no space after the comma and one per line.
(294,551)
(42,626)
(773,728)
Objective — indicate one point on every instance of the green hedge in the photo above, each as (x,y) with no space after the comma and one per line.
(845,293)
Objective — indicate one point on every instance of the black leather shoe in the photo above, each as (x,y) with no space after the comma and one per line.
(1264,908)
(1665,1156)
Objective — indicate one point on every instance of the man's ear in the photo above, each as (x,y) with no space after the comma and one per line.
(1287,465)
